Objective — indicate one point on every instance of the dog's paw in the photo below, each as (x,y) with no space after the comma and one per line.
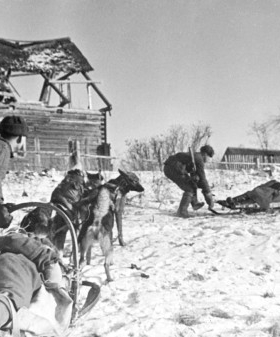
(122,243)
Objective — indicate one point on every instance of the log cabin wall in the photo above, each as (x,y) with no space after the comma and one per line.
(50,130)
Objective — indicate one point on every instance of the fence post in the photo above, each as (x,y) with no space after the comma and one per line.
(74,154)
(38,164)
(257,163)
(86,159)
(226,160)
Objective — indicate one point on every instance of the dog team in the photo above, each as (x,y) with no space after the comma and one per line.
(91,205)
(31,259)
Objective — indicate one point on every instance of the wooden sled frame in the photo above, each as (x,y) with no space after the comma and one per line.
(74,290)
(247,208)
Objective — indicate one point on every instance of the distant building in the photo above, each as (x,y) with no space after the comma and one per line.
(240,157)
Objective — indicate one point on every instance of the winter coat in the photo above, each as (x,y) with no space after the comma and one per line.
(182,165)
(5,155)
(22,259)
(19,278)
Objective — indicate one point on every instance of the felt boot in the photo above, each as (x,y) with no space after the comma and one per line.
(184,205)
(195,204)
(241,199)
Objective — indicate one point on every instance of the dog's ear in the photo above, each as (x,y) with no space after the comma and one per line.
(122,173)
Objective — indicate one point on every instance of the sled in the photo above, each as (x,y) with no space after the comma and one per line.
(247,208)
(262,198)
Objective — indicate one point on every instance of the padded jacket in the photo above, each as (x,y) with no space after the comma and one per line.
(182,164)
(22,259)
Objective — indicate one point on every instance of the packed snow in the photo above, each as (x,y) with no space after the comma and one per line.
(203,276)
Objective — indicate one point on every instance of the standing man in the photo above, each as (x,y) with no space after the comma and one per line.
(13,131)
(188,173)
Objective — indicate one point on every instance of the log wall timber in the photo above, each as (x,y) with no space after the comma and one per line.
(52,128)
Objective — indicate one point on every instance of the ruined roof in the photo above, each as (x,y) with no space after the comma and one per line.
(59,55)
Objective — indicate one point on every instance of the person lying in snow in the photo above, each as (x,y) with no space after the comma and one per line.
(26,265)
(263,195)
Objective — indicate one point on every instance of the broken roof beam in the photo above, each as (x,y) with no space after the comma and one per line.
(65,100)
(99,93)
(45,89)
(44,92)
(19,74)
(72,82)
(66,76)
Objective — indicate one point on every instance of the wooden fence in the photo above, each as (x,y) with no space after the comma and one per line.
(235,166)
(39,160)
(153,165)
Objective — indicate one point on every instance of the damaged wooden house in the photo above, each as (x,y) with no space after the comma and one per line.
(68,113)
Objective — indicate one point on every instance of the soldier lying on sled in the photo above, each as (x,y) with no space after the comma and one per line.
(262,196)
(34,296)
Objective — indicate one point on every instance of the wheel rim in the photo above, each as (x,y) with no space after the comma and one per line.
(75,278)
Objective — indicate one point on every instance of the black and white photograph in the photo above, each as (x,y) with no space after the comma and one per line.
(140,168)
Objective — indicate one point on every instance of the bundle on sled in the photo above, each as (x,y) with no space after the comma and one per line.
(260,198)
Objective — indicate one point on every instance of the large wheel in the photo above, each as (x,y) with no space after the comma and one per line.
(75,277)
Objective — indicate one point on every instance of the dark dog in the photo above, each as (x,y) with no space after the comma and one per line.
(66,196)
(38,222)
(126,182)
(99,227)
(108,205)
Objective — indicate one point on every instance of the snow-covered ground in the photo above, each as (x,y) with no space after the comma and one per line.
(203,276)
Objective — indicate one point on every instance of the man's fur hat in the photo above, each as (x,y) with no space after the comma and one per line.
(14,126)
(208,150)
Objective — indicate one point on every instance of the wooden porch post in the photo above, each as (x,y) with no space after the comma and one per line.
(74,154)
(87,159)
(38,164)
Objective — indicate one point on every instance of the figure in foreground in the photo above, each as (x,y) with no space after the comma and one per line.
(13,130)
(26,266)
(188,173)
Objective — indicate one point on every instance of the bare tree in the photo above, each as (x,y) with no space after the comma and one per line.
(261,131)
(200,134)
(150,154)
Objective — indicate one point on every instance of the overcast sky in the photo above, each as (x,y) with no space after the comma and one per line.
(166,62)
